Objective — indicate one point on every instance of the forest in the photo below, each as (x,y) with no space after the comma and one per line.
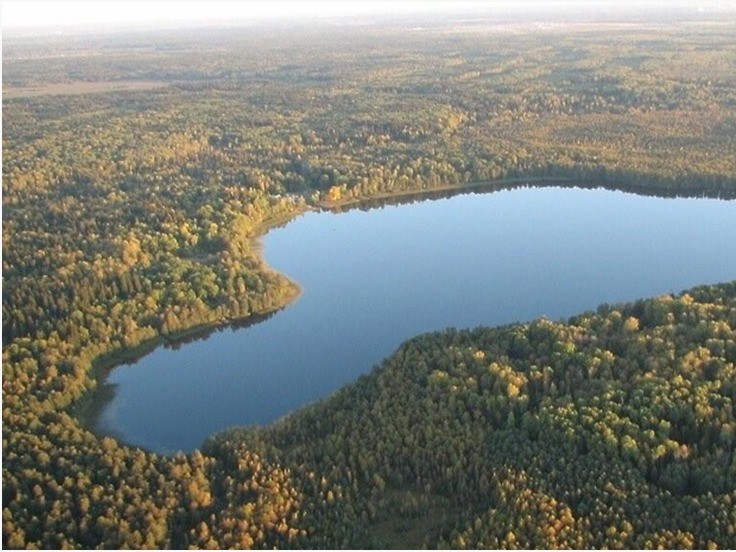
(130,214)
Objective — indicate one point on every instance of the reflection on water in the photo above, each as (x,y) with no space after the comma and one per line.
(373,279)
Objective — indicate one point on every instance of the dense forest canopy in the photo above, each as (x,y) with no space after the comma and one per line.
(137,170)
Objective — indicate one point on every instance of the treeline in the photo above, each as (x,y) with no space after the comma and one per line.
(614,430)
(130,216)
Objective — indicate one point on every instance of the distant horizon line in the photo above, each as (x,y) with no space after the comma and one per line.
(157,15)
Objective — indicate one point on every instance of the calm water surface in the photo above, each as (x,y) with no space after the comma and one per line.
(373,279)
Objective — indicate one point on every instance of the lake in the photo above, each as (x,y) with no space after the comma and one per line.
(372,279)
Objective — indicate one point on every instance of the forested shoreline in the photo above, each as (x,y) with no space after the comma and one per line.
(130,216)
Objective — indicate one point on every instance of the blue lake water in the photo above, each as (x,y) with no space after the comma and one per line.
(372,279)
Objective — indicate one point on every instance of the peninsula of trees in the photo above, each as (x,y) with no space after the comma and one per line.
(139,168)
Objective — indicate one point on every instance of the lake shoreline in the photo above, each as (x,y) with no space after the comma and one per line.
(88,409)
(488,186)
(491,186)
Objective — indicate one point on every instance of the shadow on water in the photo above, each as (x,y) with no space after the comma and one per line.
(89,409)
(489,187)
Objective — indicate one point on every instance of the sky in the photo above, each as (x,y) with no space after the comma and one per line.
(68,14)
(26,14)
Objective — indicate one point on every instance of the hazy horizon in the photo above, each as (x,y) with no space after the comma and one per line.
(69,16)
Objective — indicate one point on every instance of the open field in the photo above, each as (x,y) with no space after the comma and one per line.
(78,88)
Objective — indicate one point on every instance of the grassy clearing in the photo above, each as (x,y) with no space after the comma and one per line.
(78,88)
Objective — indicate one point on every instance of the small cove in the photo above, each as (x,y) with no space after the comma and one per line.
(372,279)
